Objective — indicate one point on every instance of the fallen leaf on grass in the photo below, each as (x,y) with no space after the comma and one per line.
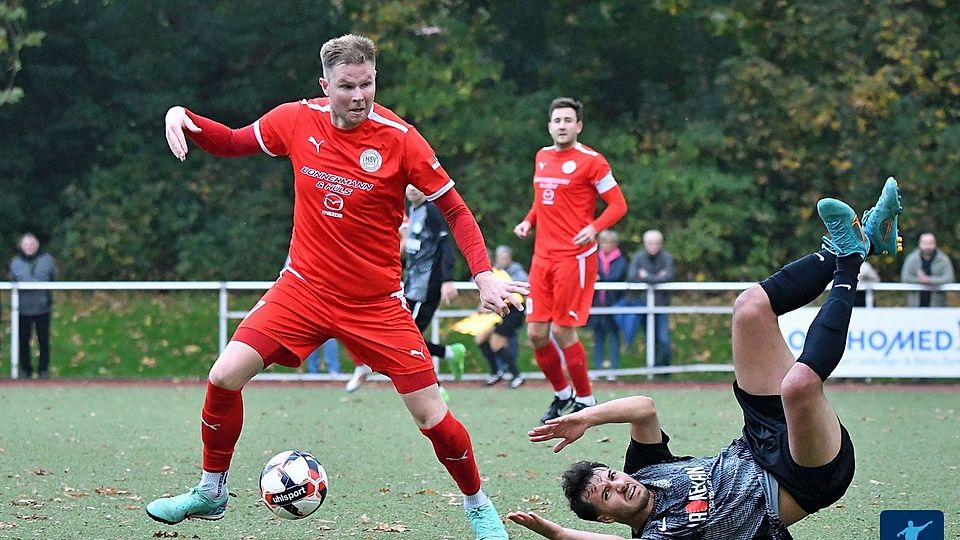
(364,519)
(27,502)
(603,439)
(390,527)
(110,491)
(72,492)
(131,507)
(33,517)
(4,525)
(40,472)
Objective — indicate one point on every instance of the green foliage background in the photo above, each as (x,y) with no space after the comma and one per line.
(724,121)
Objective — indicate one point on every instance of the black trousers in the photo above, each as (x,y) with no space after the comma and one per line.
(29,323)
(423,313)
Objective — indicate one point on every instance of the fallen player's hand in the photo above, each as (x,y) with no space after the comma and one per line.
(568,428)
(542,526)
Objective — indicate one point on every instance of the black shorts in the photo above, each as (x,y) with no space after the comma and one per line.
(765,431)
(510,324)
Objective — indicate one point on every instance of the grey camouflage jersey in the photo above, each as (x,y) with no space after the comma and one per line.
(704,498)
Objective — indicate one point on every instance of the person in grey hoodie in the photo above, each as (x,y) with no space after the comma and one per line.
(32,264)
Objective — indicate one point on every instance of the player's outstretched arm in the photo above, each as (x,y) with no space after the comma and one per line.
(548,529)
(212,136)
(638,411)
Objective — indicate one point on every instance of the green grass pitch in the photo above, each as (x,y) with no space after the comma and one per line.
(82,461)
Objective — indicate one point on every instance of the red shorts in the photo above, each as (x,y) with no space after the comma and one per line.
(561,290)
(293,318)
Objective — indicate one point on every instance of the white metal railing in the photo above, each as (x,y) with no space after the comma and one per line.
(225,314)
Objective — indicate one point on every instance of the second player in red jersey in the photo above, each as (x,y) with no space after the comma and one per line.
(567,178)
(352,160)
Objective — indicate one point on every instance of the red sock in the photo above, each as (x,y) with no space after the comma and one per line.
(221,421)
(451,443)
(548,359)
(577,366)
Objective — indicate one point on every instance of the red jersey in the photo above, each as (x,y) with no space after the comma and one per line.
(349,189)
(566,184)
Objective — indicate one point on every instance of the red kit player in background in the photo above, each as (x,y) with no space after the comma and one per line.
(567,177)
(352,160)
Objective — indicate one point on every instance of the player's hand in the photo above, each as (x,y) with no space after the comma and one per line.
(448,291)
(586,235)
(522,229)
(495,294)
(176,121)
(542,526)
(567,428)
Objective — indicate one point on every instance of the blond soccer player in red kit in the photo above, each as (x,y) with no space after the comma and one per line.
(352,160)
(567,178)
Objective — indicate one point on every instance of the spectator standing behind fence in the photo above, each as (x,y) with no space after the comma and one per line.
(654,265)
(331,357)
(927,265)
(611,267)
(32,264)
(499,344)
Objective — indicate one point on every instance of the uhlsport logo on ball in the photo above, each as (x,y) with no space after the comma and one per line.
(293,484)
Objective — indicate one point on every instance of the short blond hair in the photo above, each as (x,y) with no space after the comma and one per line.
(347,49)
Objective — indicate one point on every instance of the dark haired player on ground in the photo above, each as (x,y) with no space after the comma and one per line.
(794,457)
(352,160)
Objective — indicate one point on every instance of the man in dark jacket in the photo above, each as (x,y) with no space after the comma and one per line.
(654,265)
(32,264)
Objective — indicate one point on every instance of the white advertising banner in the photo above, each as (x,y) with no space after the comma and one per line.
(890,342)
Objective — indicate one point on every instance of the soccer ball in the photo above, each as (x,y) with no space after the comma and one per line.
(293,484)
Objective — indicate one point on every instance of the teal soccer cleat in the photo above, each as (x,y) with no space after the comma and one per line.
(190,505)
(846,234)
(880,222)
(486,523)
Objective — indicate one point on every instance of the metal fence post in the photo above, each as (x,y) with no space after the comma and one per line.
(223,317)
(651,335)
(15,331)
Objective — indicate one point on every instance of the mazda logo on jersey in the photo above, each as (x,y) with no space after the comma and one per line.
(333,202)
(548,196)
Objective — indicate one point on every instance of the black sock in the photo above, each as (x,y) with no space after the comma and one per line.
(827,336)
(800,282)
(491,357)
(439,351)
(509,359)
